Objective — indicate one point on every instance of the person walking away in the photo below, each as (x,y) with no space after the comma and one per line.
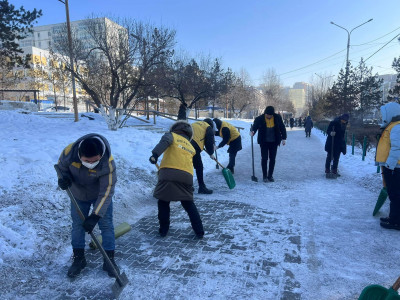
(230,136)
(271,132)
(203,138)
(300,122)
(291,121)
(88,170)
(388,157)
(308,125)
(336,129)
(175,177)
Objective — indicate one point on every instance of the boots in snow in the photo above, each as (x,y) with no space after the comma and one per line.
(204,190)
(79,263)
(107,268)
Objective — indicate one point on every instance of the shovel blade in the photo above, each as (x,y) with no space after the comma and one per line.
(230,181)
(119,285)
(381,199)
(120,230)
(377,292)
(254,178)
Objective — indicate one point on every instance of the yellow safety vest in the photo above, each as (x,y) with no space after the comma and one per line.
(179,155)
(234,132)
(199,133)
(382,152)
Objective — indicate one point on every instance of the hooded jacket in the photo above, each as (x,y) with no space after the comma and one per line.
(339,144)
(174,183)
(90,184)
(388,149)
(308,124)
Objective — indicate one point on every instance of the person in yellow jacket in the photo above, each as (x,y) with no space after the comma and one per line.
(230,136)
(388,157)
(175,177)
(203,138)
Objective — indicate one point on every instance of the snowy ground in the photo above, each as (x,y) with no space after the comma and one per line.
(320,233)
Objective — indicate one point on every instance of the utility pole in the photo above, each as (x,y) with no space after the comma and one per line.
(347,56)
(71,59)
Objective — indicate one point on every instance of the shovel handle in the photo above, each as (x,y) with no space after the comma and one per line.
(219,163)
(396,285)
(383,180)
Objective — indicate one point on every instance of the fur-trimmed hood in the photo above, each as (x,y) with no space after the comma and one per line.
(183,128)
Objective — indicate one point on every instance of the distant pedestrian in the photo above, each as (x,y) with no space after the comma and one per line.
(336,130)
(271,132)
(291,121)
(203,138)
(308,125)
(175,177)
(230,136)
(299,123)
(89,172)
(388,157)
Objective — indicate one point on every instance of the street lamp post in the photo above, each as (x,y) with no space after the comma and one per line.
(71,59)
(348,47)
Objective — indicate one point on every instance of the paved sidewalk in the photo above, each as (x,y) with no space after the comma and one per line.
(181,262)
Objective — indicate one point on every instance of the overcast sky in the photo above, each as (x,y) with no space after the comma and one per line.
(293,37)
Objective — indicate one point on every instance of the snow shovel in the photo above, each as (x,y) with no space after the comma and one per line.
(381,198)
(330,175)
(121,280)
(378,292)
(230,181)
(254,178)
(120,230)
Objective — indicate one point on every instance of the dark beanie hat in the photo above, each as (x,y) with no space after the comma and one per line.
(90,147)
(345,117)
(269,110)
(208,121)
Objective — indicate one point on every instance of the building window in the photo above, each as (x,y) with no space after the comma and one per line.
(38,34)
(40,44)
(49,33)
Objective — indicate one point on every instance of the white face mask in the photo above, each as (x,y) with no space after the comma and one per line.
(90,165)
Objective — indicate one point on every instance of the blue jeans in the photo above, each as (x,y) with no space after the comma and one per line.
(105,224)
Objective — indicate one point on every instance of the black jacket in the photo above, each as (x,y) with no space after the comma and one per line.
(339,143)
(261,126)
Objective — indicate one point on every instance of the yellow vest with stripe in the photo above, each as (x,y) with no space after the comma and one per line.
(199,133)
(382,152)
(234,132)
(179,155)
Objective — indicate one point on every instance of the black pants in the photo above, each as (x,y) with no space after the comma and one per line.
(308,133)
(190,208)
(268,151)
(336,157)
(234,147)
(392,179)
(198,164)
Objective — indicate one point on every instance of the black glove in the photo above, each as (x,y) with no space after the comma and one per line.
(153,159)
(90,222)
(64,183)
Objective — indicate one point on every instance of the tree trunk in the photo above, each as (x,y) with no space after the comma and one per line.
(113,116)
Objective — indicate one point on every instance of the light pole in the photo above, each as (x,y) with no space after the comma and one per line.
(71,59)
(348,47)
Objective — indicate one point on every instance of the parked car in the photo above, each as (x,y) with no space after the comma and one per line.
(59,108)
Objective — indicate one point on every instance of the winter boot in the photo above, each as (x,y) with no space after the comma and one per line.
(204,190)
(107,268)
(327,171)
(79,263)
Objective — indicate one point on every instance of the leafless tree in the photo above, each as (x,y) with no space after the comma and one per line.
(114,58)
